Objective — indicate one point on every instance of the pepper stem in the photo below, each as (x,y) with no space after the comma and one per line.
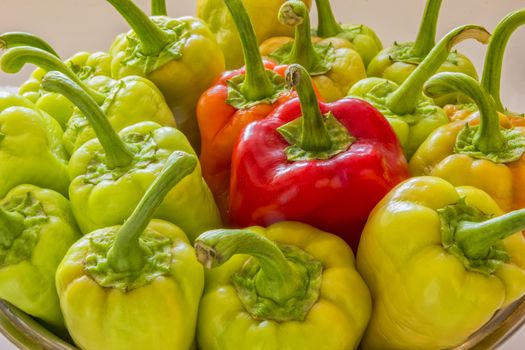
(295,13)
(257,85)
(405,99)
(117,154)
(489,137)
(426,37)
(476,238)
(152,38)
(491,80)
(14,39)
(158,8)
(314,136)
(13,60)
(126,254)
(278,279)
(11,226)
(328,25)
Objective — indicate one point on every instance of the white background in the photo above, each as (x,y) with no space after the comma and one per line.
(90,25)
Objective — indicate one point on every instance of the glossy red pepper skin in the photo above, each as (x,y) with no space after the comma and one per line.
(335,195)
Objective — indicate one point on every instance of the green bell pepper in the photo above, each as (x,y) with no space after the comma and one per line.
(396,63)
(363,39)
(413,115)
(181,56)
(127,101)
(36,230)
(288,286)
(135,286)
(31,150)
(110,174)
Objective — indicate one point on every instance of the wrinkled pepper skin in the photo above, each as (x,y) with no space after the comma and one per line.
(36,240)
(424,296)
(86,65)
(135,286)
(31,150)
(335,322)
(334,193)
(185,60)
(333,64)
(264,18)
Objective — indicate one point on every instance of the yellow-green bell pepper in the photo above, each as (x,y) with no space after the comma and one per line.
(31,150)
(36,230)
(135,286)
(263,15)
(334,66)
(180,56)
(413,115)
(439,262)
(288,286)
(110,174)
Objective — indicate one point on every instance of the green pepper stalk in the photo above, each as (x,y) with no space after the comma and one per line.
(13,39)
(363,39)
(487,140)
(426,37)
(491,80)
(158,8)
(126,254)
(117,154)
(257,84)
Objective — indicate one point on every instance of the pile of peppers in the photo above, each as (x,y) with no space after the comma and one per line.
(324,192)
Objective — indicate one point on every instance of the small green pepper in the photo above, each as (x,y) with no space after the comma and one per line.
(135,286)
(36,230)
(127,101)
(110,174)
(31,150)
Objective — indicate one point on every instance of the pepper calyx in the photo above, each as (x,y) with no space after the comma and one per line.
(326,54)
(338,134)
(513,150)
(157,260)
(237,98)
(451,218)
(295,308)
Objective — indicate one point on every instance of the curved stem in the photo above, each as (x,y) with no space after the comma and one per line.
(117,154)
(328,25)
(277,278)
(295,13)
(491,80)
(158,8)
(13,60)
(152,38)
(405,99)
(126,254)
(476,238)
(14,39)
(257,84)
(489,137)
(314,135)
(426,37)
(11,226)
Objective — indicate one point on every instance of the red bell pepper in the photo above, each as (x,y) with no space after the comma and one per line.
(325,164)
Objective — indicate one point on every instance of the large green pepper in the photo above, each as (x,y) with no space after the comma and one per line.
(439,262)
(84,65)
(263,15)
(363,39)
(36,230)
(31,150)
(135,286)
(289,286)
(127,101)
(396,63)
(110,174)
(181,56)
(413,115)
